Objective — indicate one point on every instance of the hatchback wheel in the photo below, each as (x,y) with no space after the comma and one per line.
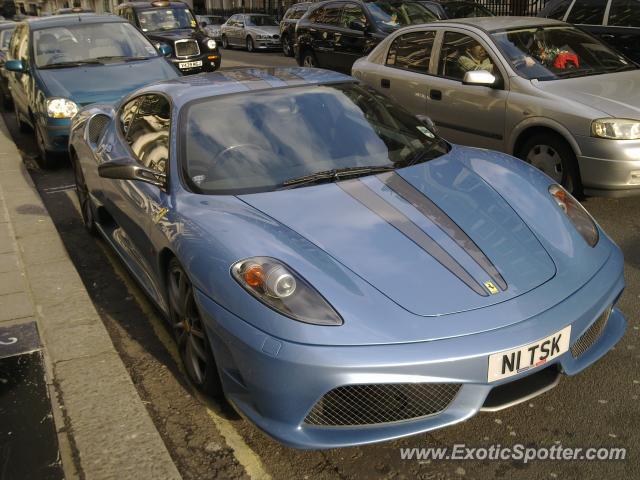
(550,153)
(250,47)
(86,204)
(46,159)
(22,125)
(189,332)
(309,59)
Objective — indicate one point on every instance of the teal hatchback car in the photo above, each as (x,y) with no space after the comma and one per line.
(56,65)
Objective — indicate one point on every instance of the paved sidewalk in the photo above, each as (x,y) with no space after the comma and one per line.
(103,428)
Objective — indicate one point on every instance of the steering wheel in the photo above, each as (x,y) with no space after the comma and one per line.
(234,153)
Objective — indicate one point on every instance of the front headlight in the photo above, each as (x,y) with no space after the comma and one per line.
(211,44)
(279,287)
(616,128)
(61,108)
(264,37)
(576,213)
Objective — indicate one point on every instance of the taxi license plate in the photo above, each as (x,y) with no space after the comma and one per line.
(512,362)
(197,63)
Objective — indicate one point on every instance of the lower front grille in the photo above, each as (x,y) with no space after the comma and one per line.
(592,334)
(381,403)
(187,48)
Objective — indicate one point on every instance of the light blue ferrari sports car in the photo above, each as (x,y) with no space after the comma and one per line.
(331,265)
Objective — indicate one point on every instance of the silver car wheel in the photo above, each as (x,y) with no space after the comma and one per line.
(547,159)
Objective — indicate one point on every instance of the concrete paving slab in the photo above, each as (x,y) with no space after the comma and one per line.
(12,282)
(15,305)
(8,262)
(42,248)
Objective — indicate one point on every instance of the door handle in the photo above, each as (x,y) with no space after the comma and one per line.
(385,83)
(435,95)
(608,36)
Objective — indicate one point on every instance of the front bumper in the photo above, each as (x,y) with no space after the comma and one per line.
(276,383)
(609,167)
(267,44)
(210,62)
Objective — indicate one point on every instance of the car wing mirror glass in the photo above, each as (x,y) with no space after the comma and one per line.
(125,169)
(164,49)
(481,78)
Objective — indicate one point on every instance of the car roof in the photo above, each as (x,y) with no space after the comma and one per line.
(38,23)
(491,24)
(238,80)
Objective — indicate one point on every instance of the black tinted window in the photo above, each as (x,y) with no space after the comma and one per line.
(590,12)
(412,51)
(557,10)
(353,13)
(625,13)
(329,15)
(148,133)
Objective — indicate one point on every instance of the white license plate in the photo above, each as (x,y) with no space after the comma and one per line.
(197,63)
(512,362)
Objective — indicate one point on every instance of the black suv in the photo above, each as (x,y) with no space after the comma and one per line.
(616,22)
(445,9)
(334,34)
(288,26)
(173,24)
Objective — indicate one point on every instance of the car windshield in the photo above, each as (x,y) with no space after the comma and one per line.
(5,38)
(279,135)
(172,18)
(261,21)
(393,15)
(466,10)
(82,42)
(555,52)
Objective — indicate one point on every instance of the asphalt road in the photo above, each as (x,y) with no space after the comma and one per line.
(599,407)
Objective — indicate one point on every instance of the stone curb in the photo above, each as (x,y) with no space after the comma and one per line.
(104,429)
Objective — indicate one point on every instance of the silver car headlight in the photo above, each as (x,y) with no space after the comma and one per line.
(263,37)
(282,289)
(578,215)
(61,108)
(211,44)
(616,128)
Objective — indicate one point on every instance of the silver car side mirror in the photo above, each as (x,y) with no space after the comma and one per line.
(481,78)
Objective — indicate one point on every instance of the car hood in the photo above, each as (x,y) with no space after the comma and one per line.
(173,35)
(265,30)
(422,236)
(615,94)
(104,83)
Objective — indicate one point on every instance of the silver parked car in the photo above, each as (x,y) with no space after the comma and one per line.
(539,89)
(212,25)
(252,31)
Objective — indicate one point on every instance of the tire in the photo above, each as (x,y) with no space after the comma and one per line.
(287,47)
(249,44)
(309,59)
(87,209)
(190,333)
(225,43)
(22,125)
(46,159)
(552,154)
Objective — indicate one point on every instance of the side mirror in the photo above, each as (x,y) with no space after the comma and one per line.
(357,25)
(165,50)
(429,123)
(14,66)
(124,169)
(481,78)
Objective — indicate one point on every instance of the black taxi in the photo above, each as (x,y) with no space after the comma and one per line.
(174,24)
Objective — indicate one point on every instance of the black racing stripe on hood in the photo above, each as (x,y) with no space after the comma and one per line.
(425,205)
(367,197)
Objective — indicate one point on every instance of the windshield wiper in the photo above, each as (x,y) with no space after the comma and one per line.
(334,175)
(123,58)
(70,64)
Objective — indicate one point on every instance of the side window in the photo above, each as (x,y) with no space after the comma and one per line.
(460,54)
(588,12)
(412,51)
(330,14)
(352,13)
(148,133)
(558,9)
(625,13)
